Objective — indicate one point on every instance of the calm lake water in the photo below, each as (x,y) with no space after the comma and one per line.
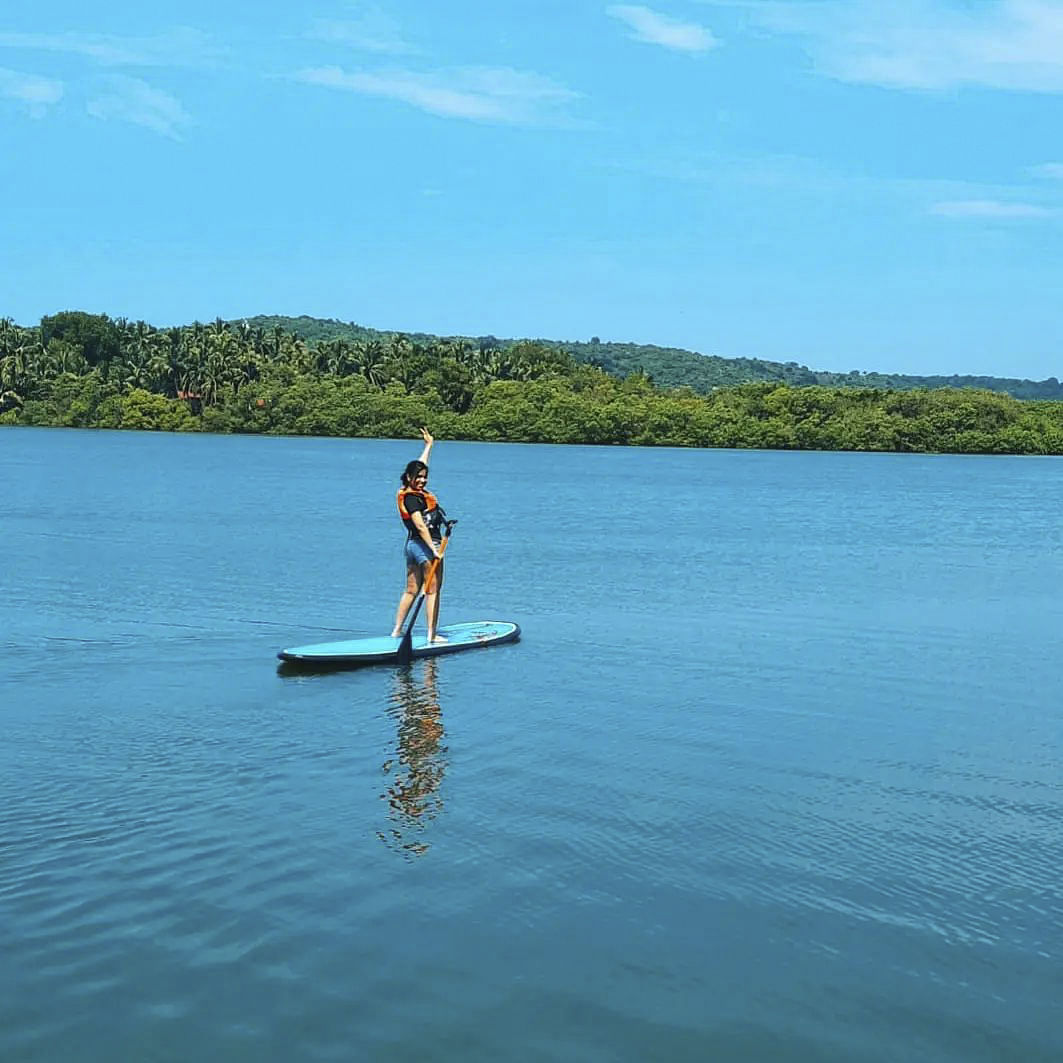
(774,773)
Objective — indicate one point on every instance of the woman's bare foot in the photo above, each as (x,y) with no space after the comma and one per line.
(396,635)
(437,638)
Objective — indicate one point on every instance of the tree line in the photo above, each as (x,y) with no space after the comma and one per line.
(85,370)
(672,367)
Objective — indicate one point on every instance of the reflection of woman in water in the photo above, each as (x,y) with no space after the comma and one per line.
(413,795)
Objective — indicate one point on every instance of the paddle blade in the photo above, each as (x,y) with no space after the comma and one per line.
(405,651)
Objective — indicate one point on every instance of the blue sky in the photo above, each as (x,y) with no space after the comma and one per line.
(850,185)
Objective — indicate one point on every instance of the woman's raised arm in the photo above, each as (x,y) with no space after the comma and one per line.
(428,441)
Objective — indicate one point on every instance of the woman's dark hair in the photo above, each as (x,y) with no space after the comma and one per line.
(412,470)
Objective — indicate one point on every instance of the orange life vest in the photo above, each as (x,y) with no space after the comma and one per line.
(432,513)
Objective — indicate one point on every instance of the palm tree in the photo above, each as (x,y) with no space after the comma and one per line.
(14,378)
(135,370)
(371,361)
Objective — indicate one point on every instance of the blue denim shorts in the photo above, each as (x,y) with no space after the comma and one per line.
(416,552)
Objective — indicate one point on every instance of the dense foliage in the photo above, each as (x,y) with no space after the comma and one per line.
(672,367)
(85,370)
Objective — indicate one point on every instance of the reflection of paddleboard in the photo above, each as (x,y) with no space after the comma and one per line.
(384,650)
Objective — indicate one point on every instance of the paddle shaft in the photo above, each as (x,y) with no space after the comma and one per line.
(405,653)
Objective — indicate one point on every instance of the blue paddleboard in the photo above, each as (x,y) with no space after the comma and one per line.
(384,650)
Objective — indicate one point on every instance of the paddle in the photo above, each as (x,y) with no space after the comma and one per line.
(405,651)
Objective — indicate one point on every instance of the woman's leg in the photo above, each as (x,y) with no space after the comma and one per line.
(414,576)
(431,601)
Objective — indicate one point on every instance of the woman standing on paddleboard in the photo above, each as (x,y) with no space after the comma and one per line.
(423,519)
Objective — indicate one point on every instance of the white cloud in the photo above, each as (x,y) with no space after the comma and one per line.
(926,44)
(989,208)
(652,27)
(483,94)
(128,99)
(372,32)
(1048,169)
(179,47)
(808,177)
(37,94)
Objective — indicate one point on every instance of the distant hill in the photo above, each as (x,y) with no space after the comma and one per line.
(672,367)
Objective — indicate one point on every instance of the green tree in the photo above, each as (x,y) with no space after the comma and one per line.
(96,336)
